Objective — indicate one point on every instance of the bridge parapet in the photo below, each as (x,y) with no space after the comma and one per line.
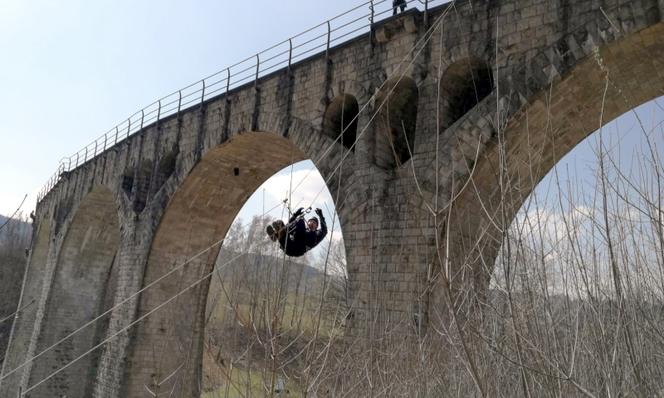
(314,42)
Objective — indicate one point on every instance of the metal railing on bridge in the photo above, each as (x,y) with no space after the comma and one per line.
(318,39)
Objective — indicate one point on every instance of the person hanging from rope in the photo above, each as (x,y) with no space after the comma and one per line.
(398,4)
(296,238)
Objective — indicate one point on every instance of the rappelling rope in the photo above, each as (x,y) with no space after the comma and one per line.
(425,39)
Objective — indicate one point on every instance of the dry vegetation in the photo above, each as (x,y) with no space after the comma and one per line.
(264,311)
(575,307)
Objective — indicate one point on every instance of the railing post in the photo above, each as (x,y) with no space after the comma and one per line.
(371,23)
(203,92)
(290,53)
(159,111)
(85,159)
(69,165)
(258,64)
(426,13)
(78,154)
(117,131)
(105,141)
(228,80)
(329,34)
(371,18)
(128,127)
(142,117)
(179,101)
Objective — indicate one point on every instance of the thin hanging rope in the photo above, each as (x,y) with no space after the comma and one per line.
(424,40)
(124,329)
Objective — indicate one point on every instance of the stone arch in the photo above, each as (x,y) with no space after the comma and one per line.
(24,323)
(198,215)
(564,109)
(82,288)
(341,117)
(463,85)
(395,130)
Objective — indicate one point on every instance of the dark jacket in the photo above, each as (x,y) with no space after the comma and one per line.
(293,242)
(313,238)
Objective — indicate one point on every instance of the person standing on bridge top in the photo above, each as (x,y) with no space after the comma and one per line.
(398,4)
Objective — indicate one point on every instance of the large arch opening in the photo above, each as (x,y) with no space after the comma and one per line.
(463,85)
(85,268)
(263,295)
(586,247)
(395,130)
(561,277)
(548,127)
(166,358)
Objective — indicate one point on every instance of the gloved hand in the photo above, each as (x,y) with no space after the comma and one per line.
(319,212)
(299,212)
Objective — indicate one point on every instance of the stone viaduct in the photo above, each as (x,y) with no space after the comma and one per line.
(532,72)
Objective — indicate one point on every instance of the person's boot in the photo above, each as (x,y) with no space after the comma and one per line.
(271,232)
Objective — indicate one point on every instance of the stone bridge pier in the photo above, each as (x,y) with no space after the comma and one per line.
(420,181)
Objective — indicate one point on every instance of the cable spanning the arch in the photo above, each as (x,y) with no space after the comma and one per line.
(423,41)
(118,305)
(129,326)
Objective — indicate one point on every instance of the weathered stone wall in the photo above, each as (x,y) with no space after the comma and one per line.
(176,185)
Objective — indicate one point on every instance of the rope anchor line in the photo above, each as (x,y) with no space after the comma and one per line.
(422,41)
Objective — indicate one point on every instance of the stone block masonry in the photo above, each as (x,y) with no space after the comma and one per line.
(526,70)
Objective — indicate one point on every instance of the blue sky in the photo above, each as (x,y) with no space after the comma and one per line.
(624,141)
